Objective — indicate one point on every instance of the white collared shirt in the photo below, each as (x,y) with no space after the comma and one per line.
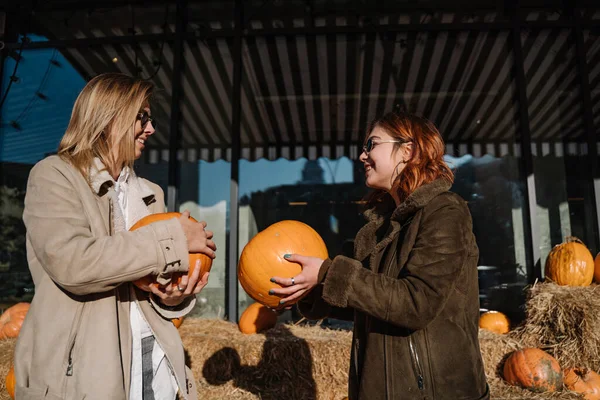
(164,383)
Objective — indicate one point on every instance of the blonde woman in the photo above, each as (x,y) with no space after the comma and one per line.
(90,333)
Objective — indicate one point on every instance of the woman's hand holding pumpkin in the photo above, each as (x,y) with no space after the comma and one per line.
(198,238)
(174,294)
(305,281)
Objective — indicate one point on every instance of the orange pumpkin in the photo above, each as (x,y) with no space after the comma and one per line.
(570,263)
(11,382)
(257,318)
(177,322)
(533,369)
(494,321)
(597,268)
(12,319)
(149,280)
(583,381)
(262,258)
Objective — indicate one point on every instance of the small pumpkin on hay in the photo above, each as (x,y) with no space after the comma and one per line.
(177,322)
(257,318)
(11,382)
(149,280)
(570,263)
(12,320)
(533,369)
(494,321)
(262,258)
(583,381)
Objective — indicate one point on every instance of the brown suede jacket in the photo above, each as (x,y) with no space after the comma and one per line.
(412,290)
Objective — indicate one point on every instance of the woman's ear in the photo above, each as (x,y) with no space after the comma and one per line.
(408,151)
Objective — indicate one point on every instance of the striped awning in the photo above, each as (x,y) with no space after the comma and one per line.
(313,77)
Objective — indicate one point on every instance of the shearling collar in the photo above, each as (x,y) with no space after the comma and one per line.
(366,240)
(101,181)
(415,201)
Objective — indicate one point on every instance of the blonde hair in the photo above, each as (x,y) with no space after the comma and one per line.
(108,103)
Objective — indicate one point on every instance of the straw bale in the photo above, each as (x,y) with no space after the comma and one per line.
(495,348)
(565,322)
(286,362)
(6,360)
(293,362)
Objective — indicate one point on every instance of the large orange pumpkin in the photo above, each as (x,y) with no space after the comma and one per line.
(11,382)
(12,319)
(597,268)
(262,258)
(149,280)
(570,263)
(257,318)
(533,369)
(494,321)
(583,381)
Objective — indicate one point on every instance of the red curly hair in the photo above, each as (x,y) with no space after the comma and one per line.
(426,164)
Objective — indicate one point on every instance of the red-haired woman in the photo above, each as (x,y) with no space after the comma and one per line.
(411,285)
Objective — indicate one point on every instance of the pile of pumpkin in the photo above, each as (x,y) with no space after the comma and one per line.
(569,264)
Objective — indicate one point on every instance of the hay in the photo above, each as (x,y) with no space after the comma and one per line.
(565,322)
(495,348)
(310,362)
(286,362)
(7,347)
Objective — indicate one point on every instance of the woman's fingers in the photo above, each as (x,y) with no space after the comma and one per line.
(211,244)
(294,296)
(202,283)
(161,294)
(296,280)
(286,290)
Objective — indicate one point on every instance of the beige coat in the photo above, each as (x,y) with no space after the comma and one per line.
(76,340)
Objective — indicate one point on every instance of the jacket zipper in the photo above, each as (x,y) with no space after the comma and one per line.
(71,346)
(416,364)
(385,377)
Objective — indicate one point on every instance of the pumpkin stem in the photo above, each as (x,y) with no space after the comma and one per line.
(571,239)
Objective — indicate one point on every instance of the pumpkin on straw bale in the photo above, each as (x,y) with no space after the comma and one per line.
(205,261)
(564,320)
(12,319)
(262,258)
(583,381)
(10,382)
(570,263)
(257,318)
(494,321)
(533,369)
(7,349)
(177,322)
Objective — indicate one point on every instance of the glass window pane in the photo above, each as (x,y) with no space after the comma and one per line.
(558,137)
(205,169)
(592,45)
